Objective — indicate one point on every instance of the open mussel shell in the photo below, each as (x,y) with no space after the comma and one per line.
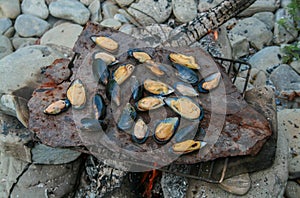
(113,92)
(150,103)
(123,72)
(105,43)
(76,94)
(209,83)
(140,132)
(57,107)
(136,88)
(165,129)
(185,89)
(187,146)
(100,71)
(99,107)
(186,74)
(187,61)
(157,69)
(139,55)
(157,87)
(127,117)
(185,107)
(107,58)
(186,133)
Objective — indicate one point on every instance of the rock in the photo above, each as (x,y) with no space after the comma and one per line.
(296,66)
(65,34)
(284,34)
(126,28)
(129,17)
(205,5)
(238,185)
(174,185)
(266,17)
(15,139)
(240,45)
(266,58)
(109,9)
(70,10)
(19,42)
(285,3)
(255,31)
(258,78)
(47,180)
(240,83)
(95,10)
(292,190)
(112,23)
(285,78)
(86,2)
(260,6)
(121,18)
(10,32)
(5,46)
(9,9)
(5,24)
(124,2)
(35,7)
(42,154)
(289,123)
(159,10)
(184,10)
(28,25)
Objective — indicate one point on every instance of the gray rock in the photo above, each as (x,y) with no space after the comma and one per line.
(260,6)
(95,10)
(289,123)
(9,9)
(292,190)
(184,10)
(86,2)
(70,10)
(126,28)
(238,185)
(296,66)
(65,34)
(285,78)
(5,24)
(109,9)
(158,10)
(266,17)
(5,46)
(35,7)
(240,83)
(121,18)
(10,32)
(240,45)
(112,23)
(285,3)
(266,58)
(174,185)
(129,17)
(255,31)
(284,34)
(28,25)
(205,5)
(19,42)
(42,154)
(124,2)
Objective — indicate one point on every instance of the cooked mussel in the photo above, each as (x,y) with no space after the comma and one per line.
(157,68)
(165,129)
(99,107)
(107,58)
(157,87)
(187,61)
(57,107)
(105,43)
(150,103)
(136,88)
(113,92)
(122,73)
(76,94)
(140,131)
(209,83)
(139,55)
(186,133)
(187,146)
(185,107)
(127,117)
(100,71)
(186,74)
(185,89)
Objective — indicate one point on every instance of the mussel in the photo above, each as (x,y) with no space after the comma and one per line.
(100,71)
(99,107)
(186,74)
(136,88)
(139,55)
(156,68)
(165,129)
(113,92)
(105,43)
(127,117)
(209,83)
(187,61)
(107,58)
(76,94)
(185,107)
(158,88)
(187,146)
(186,133)
(57,107)
(140,131)
(122,73)
(150,103)
(185,89)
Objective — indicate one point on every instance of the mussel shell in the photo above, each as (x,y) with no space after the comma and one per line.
(123,72)
(210,82)
(186,74)
(105,43)
(127,117)
(187,61)
(158,69)
(99,107)
(113,92)
(187,146)
(136,88)
(186,133)
(57,107)
(76,94)
(185,107)
(139,55)
(165,129)
(140,132)
(150,103)
(107,58)
(185,89)
(157,87)
(100,71)
(90,125)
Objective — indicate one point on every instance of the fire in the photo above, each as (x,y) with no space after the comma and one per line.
(151,175)
(215,33)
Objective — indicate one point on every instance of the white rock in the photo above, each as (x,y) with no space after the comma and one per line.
(5,46)
(296,66)
(35,7)
(266,17)
(184,10)
(126,28)
(240,45)
(86,2)
(261,6)
(28,25)
(292,190)
(124,2)
(5,23)
(112,23)
(9,8)
(240,84)
(205,5)
(109,9)
(95,10)
(19,42)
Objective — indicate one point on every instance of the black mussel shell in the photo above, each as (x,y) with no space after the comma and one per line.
(100,71)
(212,81)
(139,55)
(186,133)
(186,74)
(140,125)
(127,117)
(136,88)
(113,92)
(57,107)
(165,129)
(99,107)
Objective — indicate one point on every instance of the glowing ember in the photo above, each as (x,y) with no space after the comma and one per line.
(151,175)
